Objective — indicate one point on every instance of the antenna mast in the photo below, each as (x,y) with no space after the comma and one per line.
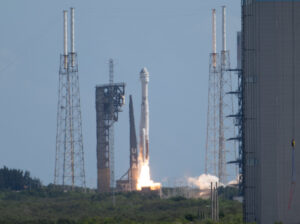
(111,71)
(214,36)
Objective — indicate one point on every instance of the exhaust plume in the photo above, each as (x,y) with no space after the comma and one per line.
(203,181)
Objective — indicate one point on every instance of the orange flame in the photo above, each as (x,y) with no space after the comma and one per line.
(144,179)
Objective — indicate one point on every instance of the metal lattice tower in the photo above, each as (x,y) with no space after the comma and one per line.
(211,156)
(109,100)
(69,160)
(220,107)
(229,108)
(225,106)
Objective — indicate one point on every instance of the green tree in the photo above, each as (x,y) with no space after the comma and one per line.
(14,179)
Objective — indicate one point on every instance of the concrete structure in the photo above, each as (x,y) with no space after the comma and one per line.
(271,110)
(123,185)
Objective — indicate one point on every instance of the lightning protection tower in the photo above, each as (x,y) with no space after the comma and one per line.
(227,127)
(69,160)
(211,147)
(220,127)
(109,100)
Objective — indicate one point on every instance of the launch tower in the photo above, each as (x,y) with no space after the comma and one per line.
(109,100)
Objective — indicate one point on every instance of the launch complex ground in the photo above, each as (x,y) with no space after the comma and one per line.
(109,102)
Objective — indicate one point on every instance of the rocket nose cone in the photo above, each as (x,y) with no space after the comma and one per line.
(144,71)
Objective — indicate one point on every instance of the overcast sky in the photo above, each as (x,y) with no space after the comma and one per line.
(172,38)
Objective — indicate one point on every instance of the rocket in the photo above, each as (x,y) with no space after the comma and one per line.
(144,123)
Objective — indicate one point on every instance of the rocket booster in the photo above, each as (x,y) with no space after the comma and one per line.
(144,123)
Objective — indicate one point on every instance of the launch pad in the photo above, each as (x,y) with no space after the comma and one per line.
(109,100)
(138,176)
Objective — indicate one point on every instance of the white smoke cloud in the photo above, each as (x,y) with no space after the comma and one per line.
(234,182)
(204,181)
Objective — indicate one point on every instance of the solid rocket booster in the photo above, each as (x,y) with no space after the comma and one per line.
(133,175)
(144,123)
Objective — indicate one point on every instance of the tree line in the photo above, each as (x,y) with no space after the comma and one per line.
(15,179)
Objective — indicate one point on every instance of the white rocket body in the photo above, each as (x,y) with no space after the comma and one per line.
(144,123)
